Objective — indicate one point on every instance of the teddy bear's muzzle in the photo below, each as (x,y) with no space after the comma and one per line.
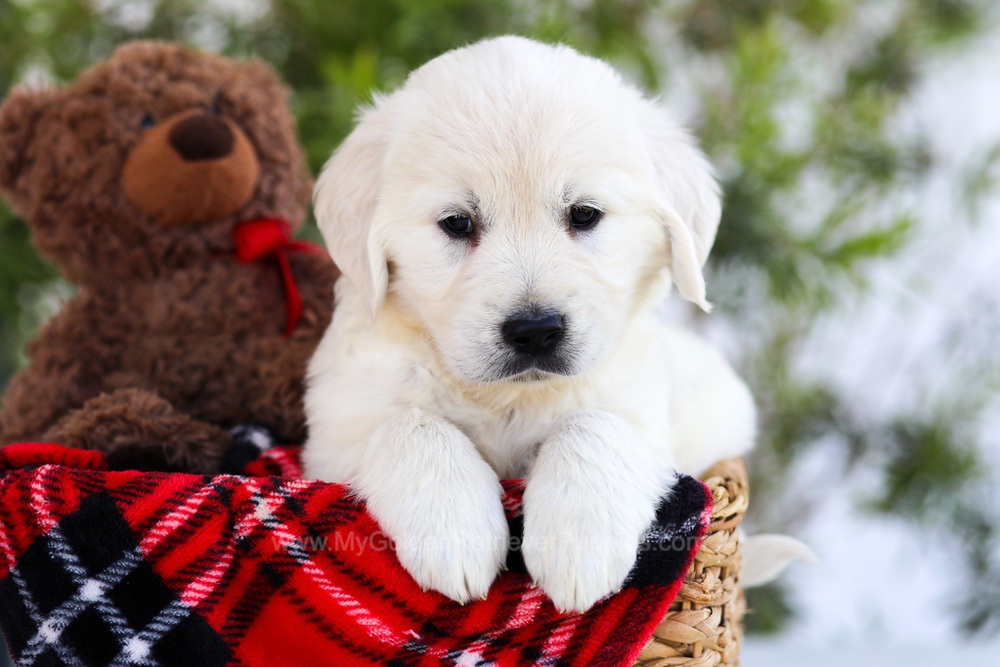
(192,168)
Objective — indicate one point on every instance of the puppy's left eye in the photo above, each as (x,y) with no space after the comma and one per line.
(458,226)
(582,218)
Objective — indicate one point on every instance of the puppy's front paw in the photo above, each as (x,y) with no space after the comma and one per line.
(455,547)
(590,497)
(439,501)
(577,551)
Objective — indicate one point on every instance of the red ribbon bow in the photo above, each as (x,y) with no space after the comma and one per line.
(267,237)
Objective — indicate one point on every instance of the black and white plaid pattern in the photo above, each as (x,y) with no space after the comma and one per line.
(673,536)
(92,600)
(249,441)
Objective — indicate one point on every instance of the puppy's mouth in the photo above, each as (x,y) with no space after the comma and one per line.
(533,370)
(532,375)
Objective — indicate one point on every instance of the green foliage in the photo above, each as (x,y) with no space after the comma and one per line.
(767,608)
(928,466)
(795,103)
(934,476)
(980,179)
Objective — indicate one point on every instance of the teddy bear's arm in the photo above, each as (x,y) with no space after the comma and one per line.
(68,365)
(35,398)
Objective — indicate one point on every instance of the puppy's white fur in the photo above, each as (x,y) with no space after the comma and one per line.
(407,397)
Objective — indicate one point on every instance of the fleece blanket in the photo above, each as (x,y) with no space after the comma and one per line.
(102,567)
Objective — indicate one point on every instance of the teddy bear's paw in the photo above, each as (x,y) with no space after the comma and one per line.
(139,430)
(181,444)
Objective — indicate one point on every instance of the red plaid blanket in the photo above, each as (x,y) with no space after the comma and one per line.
(135,568)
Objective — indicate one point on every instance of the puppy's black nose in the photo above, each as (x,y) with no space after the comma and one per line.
(202,137)
(533,334)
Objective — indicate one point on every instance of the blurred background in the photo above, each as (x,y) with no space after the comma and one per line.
(855,275)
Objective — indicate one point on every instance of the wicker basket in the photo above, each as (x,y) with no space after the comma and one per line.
(703,627)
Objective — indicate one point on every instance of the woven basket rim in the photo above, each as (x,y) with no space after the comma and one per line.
(704,624)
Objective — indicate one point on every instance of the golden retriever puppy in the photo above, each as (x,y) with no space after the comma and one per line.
(507,223)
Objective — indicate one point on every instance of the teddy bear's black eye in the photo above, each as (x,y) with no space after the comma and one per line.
(214,108)
(583,218)
(458,226)
(148,121)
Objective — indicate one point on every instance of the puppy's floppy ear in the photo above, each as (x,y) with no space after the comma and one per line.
(19,115)
(688,200)
(346,200)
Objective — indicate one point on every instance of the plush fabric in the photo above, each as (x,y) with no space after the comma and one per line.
(133,180)
(102,567)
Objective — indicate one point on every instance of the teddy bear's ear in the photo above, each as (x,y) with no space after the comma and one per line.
(19,116)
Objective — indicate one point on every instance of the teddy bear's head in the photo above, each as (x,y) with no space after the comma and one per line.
(148,161)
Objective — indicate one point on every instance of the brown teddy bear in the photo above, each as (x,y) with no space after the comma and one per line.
(164,184)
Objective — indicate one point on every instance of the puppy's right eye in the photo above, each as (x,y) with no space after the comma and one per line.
(457,226)
(582,218)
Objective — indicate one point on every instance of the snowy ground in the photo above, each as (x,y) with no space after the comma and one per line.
(791,654)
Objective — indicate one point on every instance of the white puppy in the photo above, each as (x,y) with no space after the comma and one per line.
(507,223)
